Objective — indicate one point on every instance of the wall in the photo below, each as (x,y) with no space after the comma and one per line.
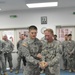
(56,16)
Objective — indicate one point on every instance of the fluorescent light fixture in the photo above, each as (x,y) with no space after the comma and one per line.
(46,4)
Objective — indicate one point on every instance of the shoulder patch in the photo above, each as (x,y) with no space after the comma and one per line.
(24,44)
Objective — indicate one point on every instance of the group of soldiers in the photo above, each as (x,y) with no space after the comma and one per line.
(68,47)
(37,55)
(41,54)
(6,48)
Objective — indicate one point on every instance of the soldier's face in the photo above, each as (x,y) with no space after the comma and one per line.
(66,37)
(48,35)
(22,36)
(55,37)
(5,37)
(70,37)
(33,34)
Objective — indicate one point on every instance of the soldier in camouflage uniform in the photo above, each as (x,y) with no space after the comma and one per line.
(34,47)
(71,53)
(50,54)
(2,59)
(60,44)
(55,37)
(8,48)
(64,54)
(43,39)
(19,44)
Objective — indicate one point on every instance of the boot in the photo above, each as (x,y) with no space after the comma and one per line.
(70,70)
(11,70)
(5,73)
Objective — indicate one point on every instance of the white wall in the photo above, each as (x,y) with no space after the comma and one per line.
(56,16)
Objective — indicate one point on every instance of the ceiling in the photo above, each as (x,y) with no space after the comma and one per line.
(8,5)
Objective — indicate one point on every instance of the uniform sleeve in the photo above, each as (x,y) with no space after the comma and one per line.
(25,52)
(56,59)
(39,51)
(11,47)
(62,49)
(1,46)
(40,47)
(17,45)
(73,50)
(44,52)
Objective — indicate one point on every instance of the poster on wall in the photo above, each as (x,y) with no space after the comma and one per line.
(44,20)
(10,35)
(62,31)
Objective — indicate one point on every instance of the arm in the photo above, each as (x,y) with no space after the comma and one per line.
(11,47)
(73,50)
(44,52)
(62,50)
(38,55)
(3,47)
(18,45)
(1,51)
(56,59)
(25,52)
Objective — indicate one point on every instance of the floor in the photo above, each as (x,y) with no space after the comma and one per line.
(61,73)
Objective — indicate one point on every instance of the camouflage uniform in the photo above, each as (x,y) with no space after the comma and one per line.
(60,44)
(43,39)
(33,47)
(19,45)
(71,54)
(8,48)
(51,55)
(60,51)
(2,57)
(64,54)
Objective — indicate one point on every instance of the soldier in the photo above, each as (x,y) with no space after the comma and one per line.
(64,50)
(55,37)
(19,44)
(60,44)
(60,51)
(43,39)
(50,54)
(8,48)
(71,53)
(2,60)
(34,47)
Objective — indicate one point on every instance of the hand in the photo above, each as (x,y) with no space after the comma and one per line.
(45,64)
(39,56)
(42,64)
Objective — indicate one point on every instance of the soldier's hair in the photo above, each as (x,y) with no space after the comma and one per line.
(23,34)
(50,30)
(55,35)
(66,34)
(32,27)
(69,34)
